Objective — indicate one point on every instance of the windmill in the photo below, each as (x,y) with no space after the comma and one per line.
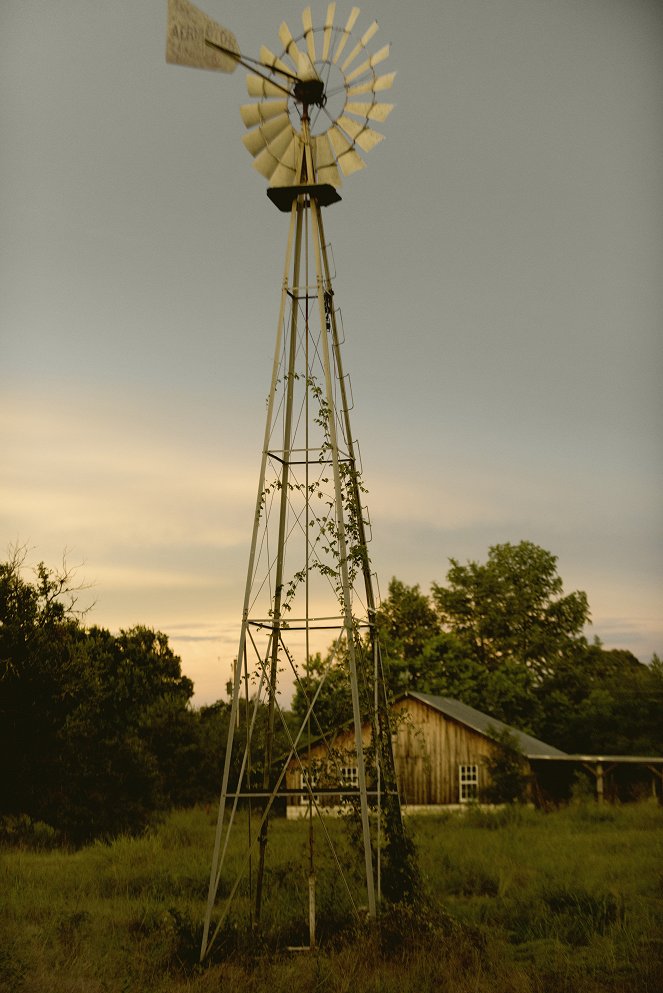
(311,115)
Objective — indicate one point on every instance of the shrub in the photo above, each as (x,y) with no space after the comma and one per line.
(22,832)
(506,768)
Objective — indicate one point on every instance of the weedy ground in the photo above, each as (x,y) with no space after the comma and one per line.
(515,901)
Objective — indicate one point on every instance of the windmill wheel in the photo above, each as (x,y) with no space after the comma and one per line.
(322,89)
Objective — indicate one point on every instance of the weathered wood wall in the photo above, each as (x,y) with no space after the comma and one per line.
(428,750)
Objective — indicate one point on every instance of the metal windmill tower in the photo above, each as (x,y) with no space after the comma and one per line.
(309,575)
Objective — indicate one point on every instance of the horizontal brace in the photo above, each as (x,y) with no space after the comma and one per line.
(311,626)
(302,791)
(295,295)
(277,458)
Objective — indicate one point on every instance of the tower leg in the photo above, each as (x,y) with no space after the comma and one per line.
(297,209)
(241,653)
(343,561)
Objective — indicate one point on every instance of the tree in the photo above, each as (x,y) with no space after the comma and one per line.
(40,657)
(492,634)
(603,701)
(333,706)
(96,733)
(512,607)
(406,623)
(507,769)
(506,691)
(502,636)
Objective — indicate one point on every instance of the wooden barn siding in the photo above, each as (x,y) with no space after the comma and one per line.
(428,749)
(343,743)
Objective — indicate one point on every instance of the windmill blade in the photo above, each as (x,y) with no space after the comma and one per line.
(271,61)
(348,159)
(368,64)
(329,24)
(373,85)
(256,86)
(370,111)
(306,69)
(285,173)
(361,134)
(188,29)
(350,162)
(289,44)
(262,136)
(256,113)
(307,22)
(324,161)
(360,46)
(280,151)
(283,176)
(345,34)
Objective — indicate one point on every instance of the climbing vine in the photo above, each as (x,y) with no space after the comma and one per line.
(333,530)
(336,542)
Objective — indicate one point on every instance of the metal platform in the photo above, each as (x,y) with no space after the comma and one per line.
(284,196)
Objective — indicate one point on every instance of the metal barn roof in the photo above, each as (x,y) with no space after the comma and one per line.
(484,724)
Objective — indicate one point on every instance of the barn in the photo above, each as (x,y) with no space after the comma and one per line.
(441,752)
(442,746)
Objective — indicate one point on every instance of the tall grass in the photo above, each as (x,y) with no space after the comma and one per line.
(516,902)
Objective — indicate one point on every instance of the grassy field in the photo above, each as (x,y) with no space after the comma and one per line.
(518,902)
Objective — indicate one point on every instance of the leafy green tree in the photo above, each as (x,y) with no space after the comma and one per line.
(509,694)
(419,655)
(40,659)
(502,636)
(96,733)
(130,743)
(171,732)
(507,770)
(506,692)
(214,722)
(512,606)
(333,706)
(406,624)
(451,672)
(603,701)
(212,731)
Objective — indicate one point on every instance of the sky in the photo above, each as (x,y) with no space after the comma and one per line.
(498,265)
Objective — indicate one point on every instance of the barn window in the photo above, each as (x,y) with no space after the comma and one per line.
(468,782)
(309,778)
(349,775)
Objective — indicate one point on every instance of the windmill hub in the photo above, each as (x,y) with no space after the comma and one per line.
(310,92)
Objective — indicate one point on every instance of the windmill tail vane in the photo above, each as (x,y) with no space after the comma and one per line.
(188,31)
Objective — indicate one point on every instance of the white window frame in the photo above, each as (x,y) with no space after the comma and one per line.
(307,777)
(468,783)
(350,776)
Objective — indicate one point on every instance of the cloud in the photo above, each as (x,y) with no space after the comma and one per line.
(156,524)
(101,480)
